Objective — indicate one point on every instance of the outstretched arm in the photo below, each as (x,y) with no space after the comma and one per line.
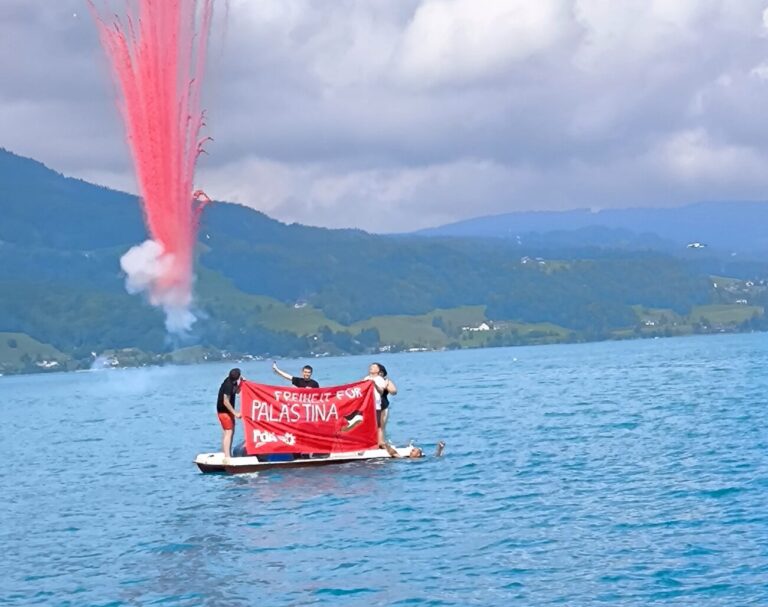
(282,374)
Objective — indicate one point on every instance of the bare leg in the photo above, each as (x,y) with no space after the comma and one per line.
(379,431)
(226,443)
(381,418)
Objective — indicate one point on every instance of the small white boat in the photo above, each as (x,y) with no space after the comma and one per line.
(302,427)
(216,462)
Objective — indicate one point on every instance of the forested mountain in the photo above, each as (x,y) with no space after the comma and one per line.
(729,226)
(266,287)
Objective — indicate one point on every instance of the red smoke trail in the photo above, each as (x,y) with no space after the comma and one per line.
(158,60)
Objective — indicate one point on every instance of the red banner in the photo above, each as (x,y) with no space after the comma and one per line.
(308,420)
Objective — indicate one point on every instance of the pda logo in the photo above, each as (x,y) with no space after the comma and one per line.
(264,438)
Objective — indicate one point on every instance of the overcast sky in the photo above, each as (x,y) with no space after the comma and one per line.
(391,115)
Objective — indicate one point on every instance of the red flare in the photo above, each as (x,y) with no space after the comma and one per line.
(158,62)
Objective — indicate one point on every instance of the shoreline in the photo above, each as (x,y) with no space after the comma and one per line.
(168,360)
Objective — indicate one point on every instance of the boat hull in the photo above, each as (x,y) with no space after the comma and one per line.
(216,462)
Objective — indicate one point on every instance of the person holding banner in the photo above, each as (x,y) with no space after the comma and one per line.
(225,409)
(305,381)
(383,387)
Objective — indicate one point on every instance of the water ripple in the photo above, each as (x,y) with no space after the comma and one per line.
(620,474)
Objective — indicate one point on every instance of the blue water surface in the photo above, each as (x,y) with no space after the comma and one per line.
(622,473)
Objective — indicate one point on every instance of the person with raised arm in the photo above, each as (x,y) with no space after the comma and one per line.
(305,381)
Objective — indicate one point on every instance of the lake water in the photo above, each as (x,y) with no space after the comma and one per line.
(621,473)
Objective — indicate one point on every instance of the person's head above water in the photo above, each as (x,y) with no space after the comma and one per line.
(306,372)
(234,374)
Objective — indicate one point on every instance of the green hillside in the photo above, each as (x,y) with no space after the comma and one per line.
(19,352)
(266,288)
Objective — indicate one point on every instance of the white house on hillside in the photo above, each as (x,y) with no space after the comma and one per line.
(483,326)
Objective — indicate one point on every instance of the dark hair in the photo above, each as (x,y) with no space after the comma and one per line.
(382,369)
(234,374)
(310,369)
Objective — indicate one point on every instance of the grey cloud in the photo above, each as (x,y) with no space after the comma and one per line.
(342,113)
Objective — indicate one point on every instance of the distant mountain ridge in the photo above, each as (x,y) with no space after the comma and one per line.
(736,226)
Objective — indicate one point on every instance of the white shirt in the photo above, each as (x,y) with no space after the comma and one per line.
(381,383)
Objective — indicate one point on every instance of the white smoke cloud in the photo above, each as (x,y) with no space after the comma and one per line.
(145,265)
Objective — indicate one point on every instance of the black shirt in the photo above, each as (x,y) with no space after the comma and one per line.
(300,382)
(229,388)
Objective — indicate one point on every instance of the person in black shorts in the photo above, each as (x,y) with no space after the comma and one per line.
(305,381)
(389,390)
(225,409)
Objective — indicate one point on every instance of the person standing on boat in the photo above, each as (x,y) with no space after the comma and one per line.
(383,387)
(225,409)
(305,381)
(390,389)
